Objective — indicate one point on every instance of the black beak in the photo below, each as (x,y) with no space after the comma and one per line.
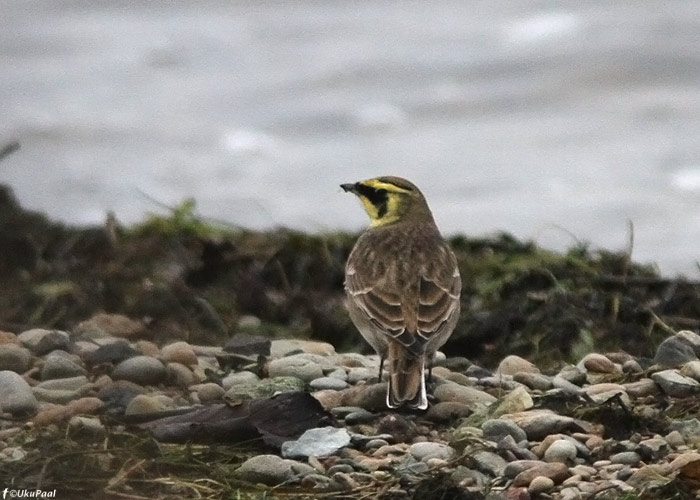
(349,188)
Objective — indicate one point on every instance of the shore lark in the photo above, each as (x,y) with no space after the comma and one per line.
(402,284)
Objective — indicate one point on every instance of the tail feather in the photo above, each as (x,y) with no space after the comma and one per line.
(406,381)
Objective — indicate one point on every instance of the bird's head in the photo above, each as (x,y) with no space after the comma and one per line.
(390,199)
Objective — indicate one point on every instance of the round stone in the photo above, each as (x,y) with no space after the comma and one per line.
(426,450)
(140,370)
(463,394)
(40,341)
(60,366)
(16,397)
(271,470)
(331,383)
(179,352)
(496,429)
(539,485)
(515,364)
(561,450)
(298,366)
(143,404)
(15,358)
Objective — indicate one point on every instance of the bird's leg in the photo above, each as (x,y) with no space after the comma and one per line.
(381,367)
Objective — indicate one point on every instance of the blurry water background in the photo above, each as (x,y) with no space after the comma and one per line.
(554,121)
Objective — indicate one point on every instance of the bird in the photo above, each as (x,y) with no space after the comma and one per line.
(402,285)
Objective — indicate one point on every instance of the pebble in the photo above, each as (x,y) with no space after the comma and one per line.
(282,347)
(452,392)
(538,424)
(60,414)
(143,404)
(237,378)
(427,450)
(447,411)
(597,363)
(555,471)
(539,485)
(8,338)
(691,338)
(535,381)
(497,429)
(516,401)
(16,396)
(360,416)
(15,358)
(179,375)
(271,470)
(297,365)
(179,352)
(676,385)
(264,388)
(331,383)
(109,325)
(59,365)
(360,374)
(511,365)
(40,341)
(626,458)
(319,442)
(489,462)
(641,388)
(673,352)
(88,428)
(561,450)
(114,352)
(140,370)
(209,392)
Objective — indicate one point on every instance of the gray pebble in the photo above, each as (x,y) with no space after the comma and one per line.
(676,385)
(426,450)
(144,404)
(535,381)
(448,411)
(208,392)
(342,411)
(40,341)
(489,462)
(318,442)
(264,388)
(140,370)
(626,458)
(691,338)
(114,352)
(60,366)
(236,378)
(338,373)
(561,450)
(15,358)
(328,383)
(538,424)
(673,352)
(360,416)
(16,396)
(272,470)
(344,468)
(463,394)
(301,366)
(86,428)
(497,429)
(360,374)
